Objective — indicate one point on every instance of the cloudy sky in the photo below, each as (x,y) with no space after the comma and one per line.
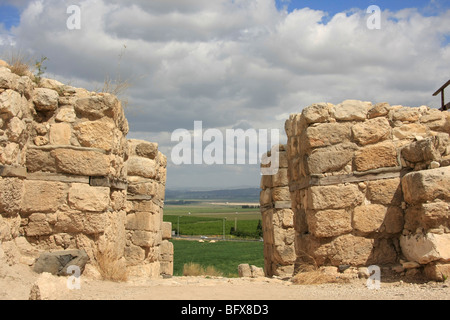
(235,63)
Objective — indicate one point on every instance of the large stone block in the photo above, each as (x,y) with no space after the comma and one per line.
(96,134)
(410,131)
(11,192)
(60,134)
(376,156)
(427,185)
(334,197)
(144,221)
(369,218)
(81,222)
(142,148)
(40,160)
(386,191)
(45,99)
(98,106)
(86,198)
(329,223)
(371,131)
(327,134)
(426,248)
(352,110)
(12,104)
(138,166)
(432,215)
(319,112)
(78,162)
(331,159)
(43,196)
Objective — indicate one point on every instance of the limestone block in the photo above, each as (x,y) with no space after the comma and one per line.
(410,131)
(142,148)
(426,248)
(86,198)
(167,230)
(280,179)
(144,221)
(331,159)
(11,103)
(257,272)
(138,166)
(8,80)
(15,129)
(427,185)
(369,218)
(371,131)
(38,225)
(85,163)
(98,106)
(11,193)
(379,110)
(10,154)
(406,114)
(281,194)
(134,255)
(60,134)
(148,270)
(40,160)
(244,270)
(327,134)
(45,99)
(386,191)
(146,188)
(317,113)
(96,134)
(43,196)
(334,197)
(81,222)
(66,114)
(286,217)
(437,271)
(428,216)
(48,287)
(265,197)
(329,223)
(376,156)
(144,239)
(352,110)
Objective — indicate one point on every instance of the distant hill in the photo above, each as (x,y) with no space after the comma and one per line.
(247,195)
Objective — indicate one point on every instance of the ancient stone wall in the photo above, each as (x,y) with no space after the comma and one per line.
(64,182)
(369,184)
(278,221)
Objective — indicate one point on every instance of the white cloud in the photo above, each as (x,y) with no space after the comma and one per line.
(232,62)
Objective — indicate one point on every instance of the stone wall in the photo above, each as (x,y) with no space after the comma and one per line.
(64,176)
(278,221)
(369,182)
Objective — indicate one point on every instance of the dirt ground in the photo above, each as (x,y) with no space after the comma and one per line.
(17,281)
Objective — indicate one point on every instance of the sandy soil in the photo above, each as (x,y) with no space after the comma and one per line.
(16,283)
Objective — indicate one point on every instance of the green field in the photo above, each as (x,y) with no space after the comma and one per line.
(207,220)
(225,256)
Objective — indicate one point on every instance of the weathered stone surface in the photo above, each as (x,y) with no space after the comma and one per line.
(429,149)
(426,248)
(144,221)
(45,99)
(167,230)
(329,223)
(40,160)
(327,134)
(410,131)
(352,110)
(369,218)
(98,106)
(427,216)
(406,114)
(96,134)
(47,287)
(257,272)
(371,131)
(437,272)
(56,263)
(378,110)
(316,113)
(331,159)
(15,129)
(10,153)
(89,223)
(60,134)
(11,103)
(142,148)
(11,192)
(244,270)
(386,191)
(376,156)
(138,166)
(87,163)
(144,239)
(280,179)
(66,115)
(43,196)
(334,197)
(86,198)
(281,194)
(422,186)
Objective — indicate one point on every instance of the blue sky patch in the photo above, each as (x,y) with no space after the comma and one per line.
(9,16)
